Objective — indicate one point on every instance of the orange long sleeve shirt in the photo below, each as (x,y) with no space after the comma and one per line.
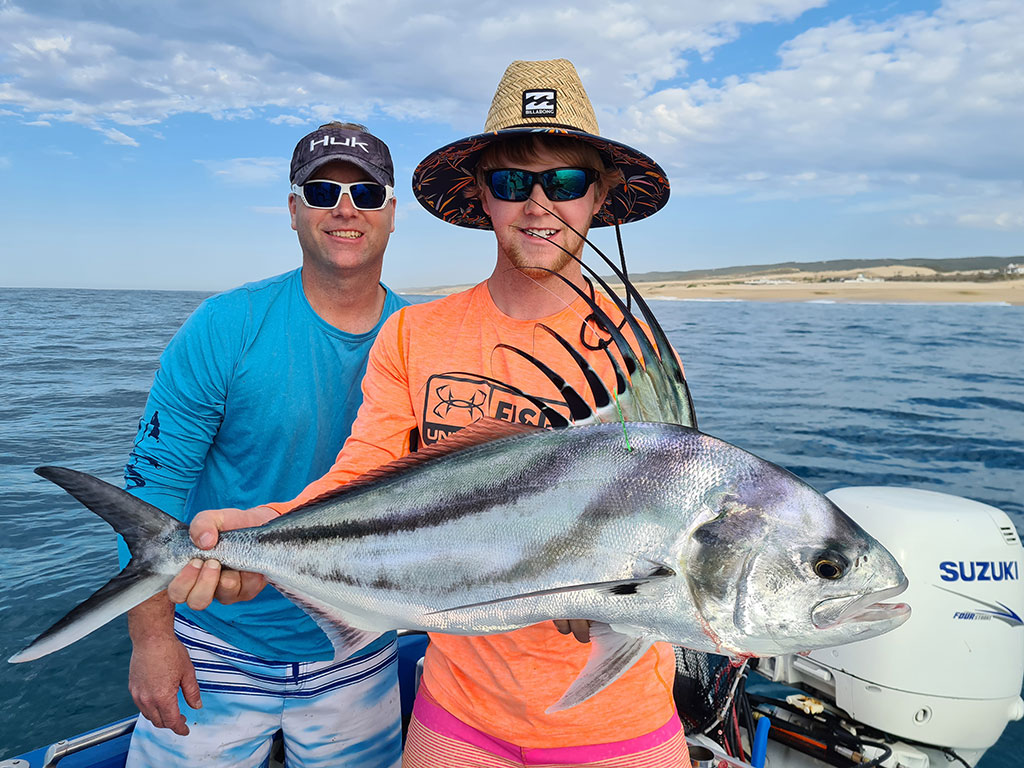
(426,376)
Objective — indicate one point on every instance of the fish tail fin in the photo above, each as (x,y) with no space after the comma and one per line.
(145,529)
(140,524)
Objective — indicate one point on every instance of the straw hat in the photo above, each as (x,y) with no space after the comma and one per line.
(544,97)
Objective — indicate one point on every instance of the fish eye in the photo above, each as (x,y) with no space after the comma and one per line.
(828,569)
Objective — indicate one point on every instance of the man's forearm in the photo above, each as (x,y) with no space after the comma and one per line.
(153,619)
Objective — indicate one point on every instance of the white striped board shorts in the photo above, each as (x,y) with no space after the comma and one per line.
(344,714)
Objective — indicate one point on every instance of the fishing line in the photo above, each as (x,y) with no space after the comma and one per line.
(602,343)
(565,304)
(622,421)
(586,321)
(583,237)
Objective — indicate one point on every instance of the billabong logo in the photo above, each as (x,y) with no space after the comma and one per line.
(348,141)
(540,103)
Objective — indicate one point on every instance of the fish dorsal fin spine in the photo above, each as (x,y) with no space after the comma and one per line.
(481,431)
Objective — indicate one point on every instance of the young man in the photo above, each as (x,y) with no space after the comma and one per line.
(539,171)
(254,396)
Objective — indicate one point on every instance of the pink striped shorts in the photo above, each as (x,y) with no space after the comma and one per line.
(437,739)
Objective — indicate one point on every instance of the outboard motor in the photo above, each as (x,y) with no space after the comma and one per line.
(949,679)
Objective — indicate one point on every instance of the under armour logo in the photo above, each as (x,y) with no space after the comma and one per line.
(448,401)
(539,103)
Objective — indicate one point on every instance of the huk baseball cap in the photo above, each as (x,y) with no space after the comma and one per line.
(337,142)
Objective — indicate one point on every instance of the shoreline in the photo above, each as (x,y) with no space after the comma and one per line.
(997,292)
(1008,292)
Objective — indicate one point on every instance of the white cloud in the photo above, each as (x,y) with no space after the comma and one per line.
(39,46)
(921,109)
(981,205)
(133,63)
(118,137)
(998,220)
(1005,220)
(287,120)
(270,210)
(5,162)
(249,171)
(404,211)
(914,103)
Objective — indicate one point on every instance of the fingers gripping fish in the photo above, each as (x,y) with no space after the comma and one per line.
(628,516)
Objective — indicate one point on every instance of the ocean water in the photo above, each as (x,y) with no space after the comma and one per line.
(928,396)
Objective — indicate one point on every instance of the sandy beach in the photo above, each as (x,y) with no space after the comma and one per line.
(888,284)
(996,292)
(872,285)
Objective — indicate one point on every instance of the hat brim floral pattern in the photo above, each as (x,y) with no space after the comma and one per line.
(441,179)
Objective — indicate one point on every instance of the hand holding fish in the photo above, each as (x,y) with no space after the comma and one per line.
(580,628)
(202,581)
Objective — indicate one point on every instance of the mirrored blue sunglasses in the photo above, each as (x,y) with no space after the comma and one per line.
(559,184)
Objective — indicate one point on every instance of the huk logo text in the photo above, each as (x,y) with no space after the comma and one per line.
(348,141)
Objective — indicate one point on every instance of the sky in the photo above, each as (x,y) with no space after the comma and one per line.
(790,129)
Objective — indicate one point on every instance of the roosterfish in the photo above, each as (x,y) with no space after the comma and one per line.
(624,514)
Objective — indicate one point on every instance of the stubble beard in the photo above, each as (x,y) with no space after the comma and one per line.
(529,266)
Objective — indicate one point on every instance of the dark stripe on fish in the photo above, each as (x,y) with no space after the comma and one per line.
(546,469)
(381,581)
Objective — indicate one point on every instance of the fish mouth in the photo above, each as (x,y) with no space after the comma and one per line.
(861,609)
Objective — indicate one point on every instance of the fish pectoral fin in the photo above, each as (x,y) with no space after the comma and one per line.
(629,586)
(338,626)
(611,654)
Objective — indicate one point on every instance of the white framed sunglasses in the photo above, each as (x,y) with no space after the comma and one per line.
(325,194)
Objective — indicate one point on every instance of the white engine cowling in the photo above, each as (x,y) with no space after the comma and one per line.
(951,675)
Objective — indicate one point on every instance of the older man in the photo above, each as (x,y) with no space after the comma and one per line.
(253,399)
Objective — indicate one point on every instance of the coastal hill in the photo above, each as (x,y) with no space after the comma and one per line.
(987,279)
(977,267)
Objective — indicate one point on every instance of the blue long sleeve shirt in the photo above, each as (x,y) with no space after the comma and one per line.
(253,400)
